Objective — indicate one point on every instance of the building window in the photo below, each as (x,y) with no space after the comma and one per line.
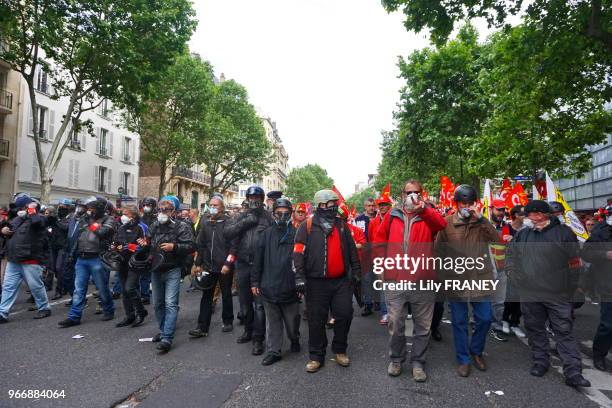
(42,81)
(127,149)
(102,176)
(45,123)
(104,109)
(104,145)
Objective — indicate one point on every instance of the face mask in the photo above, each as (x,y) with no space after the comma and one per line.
(609,220)
(254,204)
(408,204)
(147,209)
(79,210)
(62,212)
(528,223)
(465,213)
(328,213)
(22,213)
(213,211)
(162,218)
(561,219)
(283,218)
(125,219)
(90,213)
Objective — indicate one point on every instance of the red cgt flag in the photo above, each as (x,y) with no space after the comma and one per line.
(505,190)
(446,192)
(335,190)
(517,196)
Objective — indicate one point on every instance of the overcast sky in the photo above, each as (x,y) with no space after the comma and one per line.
(324,70)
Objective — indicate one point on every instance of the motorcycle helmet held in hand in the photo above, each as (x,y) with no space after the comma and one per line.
(139,261)
(203,281)
(112,260)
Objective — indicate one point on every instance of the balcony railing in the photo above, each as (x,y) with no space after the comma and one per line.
(103,151)
(4,149)
(6,99)
(127,158)
(191,175)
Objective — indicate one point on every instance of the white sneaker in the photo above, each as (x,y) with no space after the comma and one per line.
(518,332)
(506,327)
(408,316)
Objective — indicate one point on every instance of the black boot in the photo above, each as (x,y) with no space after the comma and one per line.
(69,323)
(270,359)
(126,321)
(599,363)
(198,332)
(244,338)
(140,317)
(577,380)
(258,348)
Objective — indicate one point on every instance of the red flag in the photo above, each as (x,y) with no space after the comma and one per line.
(385,195)
(335,190)
(447,191)
(506,189)
(517,196)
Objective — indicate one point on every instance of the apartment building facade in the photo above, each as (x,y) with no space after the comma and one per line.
(9,124)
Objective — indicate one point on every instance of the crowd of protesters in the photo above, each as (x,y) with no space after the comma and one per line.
(291,259)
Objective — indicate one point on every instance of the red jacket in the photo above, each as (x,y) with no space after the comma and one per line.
(422,232)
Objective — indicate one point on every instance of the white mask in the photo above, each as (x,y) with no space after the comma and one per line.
(561,219)
(528,223)
(465,213)
(125,219)
(147,209)
(408,203)
(162,218)
(22,213)
(609,220)
(213,211)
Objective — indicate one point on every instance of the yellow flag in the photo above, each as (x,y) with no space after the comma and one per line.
(571,220)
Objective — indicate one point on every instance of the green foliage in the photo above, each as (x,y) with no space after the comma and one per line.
(358,199)
(304,182)
(231,140)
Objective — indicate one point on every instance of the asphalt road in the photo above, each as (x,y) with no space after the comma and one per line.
(110,367)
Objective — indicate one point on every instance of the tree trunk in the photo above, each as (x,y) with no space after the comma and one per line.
(162,181)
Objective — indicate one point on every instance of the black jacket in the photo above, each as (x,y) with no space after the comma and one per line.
(594,251)
(246,229)
(174,232)
(544,265)
(128,234)
(213,246)
(27,243)
(57,231)
(312,262)
(98,241)
(273,273)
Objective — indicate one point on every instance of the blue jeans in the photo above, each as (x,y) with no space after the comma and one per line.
(145,283)
(483,314)
(14,275)
(84,269)
(117,283)
(383,304)
(166,288)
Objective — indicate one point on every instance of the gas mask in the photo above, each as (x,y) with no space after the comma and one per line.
(213,211)
(408,203)
(22,213)
(125,219)
(328,213)
(255,204)
(528,223)
(465,213)
(79,210)
(147,209)
(282,219)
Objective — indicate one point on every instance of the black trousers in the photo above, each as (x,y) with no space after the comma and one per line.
(438,313)
(559,314)
(130,281)
(206,303)
(251,306)
(512,313)
(321,296)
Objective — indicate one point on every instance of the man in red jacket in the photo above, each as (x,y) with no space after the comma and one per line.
(409,230)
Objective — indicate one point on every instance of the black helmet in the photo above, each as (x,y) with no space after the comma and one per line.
(139,262)
(112,260)
(255,191)
(98,204)
(282,203)
(556,206)
(465,194)
(149,202)
(203,281)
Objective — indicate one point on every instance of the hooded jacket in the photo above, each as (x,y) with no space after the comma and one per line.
(273,273)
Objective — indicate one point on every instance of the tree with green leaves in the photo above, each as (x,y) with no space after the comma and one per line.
(91,51)
(440,115)
(168,119)
(231,140)
(303,182)
(589,19)
(357,199)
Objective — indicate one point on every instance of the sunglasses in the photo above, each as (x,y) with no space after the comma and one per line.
(164,210)
(412,192)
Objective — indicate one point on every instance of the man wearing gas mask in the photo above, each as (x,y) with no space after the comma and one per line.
(25,253)
(58,242)
(326,267)
(246,230)
(274,280)
(148,217)
(72,240)
(95,232)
